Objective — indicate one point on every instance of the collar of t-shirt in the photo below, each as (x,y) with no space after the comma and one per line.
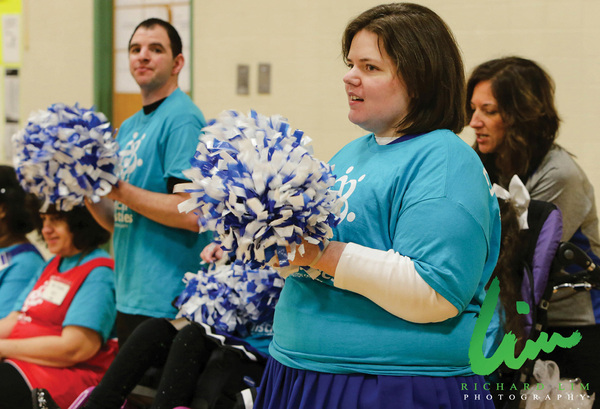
(389,140)
(148,109)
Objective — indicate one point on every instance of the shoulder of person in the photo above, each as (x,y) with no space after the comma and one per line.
(451,146)
(560,165)
(96,254)
(184,103)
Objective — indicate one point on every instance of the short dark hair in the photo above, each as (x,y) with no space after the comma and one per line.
(87,233)
(525,96)
(174,38)
(21,208)
(426,57)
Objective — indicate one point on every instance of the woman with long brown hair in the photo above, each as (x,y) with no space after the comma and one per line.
(510,105)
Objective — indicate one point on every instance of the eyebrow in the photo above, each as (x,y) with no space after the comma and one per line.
(365,59)
(161,45)
(486,104)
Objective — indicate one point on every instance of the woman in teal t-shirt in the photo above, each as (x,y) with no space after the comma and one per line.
(19,259)
(388,321)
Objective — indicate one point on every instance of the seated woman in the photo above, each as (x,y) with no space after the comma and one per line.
(58,335)
(19,259)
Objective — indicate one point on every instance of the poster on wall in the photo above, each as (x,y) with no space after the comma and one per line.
(10,60)
(11,39)
(11,108)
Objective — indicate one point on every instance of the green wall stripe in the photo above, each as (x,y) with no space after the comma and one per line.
(103,56)
(191,57)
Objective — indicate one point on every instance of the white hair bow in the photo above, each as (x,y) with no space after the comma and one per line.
(518,195)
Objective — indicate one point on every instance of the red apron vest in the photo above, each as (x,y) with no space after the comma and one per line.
(44,317)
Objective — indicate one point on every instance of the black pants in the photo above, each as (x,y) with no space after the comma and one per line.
(126,324)
(196,370)
(14,392)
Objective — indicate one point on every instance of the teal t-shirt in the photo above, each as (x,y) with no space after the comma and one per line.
(16,272)
(427,198)
(150,258)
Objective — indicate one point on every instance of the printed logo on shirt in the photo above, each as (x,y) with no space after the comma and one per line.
(129,158)
(123,216)
(130,162)
(266,328)
(35,297)
(346,188)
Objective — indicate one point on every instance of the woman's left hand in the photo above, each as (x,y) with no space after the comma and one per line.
(325,260)
(311,253)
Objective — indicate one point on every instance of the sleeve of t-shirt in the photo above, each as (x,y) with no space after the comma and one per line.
(94,304)
(17,278)
(447,246)
(21,298)
(180,146)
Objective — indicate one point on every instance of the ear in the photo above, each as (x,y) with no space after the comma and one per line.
(177,64)
(2,211)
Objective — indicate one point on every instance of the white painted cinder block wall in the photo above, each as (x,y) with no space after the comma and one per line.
(301,41)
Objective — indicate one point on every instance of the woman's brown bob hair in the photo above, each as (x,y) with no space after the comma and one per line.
(524,93)
(87,233)
(427,59)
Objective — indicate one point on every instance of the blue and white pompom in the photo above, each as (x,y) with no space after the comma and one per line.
(229,297)
(255,183)
(65,154)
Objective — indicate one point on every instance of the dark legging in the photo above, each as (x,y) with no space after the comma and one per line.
(148,346)
(196,370)
(190,353)
(14,392)
(126,324)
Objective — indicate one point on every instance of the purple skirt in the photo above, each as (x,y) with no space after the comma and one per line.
(283,388)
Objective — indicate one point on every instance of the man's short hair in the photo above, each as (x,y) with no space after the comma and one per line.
(176,45)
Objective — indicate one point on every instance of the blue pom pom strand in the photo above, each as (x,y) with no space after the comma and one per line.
(65,154)
(257,185)
(230,297)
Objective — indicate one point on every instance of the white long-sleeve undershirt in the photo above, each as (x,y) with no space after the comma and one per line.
(391,281)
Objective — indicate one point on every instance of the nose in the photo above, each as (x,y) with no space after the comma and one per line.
(46,226)
(351,77)
(144,53)
(476,121)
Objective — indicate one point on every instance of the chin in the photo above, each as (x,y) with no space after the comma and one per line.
(365,127)
(357,120)
(485,149)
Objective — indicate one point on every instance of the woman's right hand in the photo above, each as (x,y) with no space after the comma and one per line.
(211,253)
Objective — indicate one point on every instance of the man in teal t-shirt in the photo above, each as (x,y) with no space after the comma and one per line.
(154,244)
